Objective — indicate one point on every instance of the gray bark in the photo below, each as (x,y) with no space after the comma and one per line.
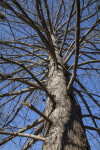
(67,131)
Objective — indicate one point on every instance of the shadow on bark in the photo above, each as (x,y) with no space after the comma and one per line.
(74,137)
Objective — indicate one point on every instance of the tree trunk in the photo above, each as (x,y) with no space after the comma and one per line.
(67,131)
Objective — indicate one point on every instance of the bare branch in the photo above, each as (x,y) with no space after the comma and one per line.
(65,35)
(37,111)
(23,130)
(17,92)
(95,101)
(95,117)
(92,128)
(85,103)
(31,141)
(81,40)
(23,135)
(76,46)
(84,63)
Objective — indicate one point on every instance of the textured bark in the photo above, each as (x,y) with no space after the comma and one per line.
(67,131)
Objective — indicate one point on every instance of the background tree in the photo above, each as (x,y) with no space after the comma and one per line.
(49,52)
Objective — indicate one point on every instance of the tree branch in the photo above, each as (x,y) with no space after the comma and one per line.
(37,111)
(84,63)
(32,141)
(87,107)
(27,70)
(92,128)
(95,117)
(77,81)
(22,130)
(66,30)
(81,40)
(76,46)
(17,92)
(23,135)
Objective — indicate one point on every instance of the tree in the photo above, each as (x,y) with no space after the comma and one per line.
(49,52)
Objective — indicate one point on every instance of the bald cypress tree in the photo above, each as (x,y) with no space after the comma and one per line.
(49,73)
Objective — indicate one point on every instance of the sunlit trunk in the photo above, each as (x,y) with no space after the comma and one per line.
(67,131)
